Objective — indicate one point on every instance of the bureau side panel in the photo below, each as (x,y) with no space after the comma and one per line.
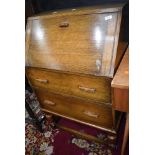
(123,36)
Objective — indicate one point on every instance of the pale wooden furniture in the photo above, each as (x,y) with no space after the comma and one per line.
(120,93)
(71,58)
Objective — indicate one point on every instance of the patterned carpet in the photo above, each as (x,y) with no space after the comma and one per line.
(59,142)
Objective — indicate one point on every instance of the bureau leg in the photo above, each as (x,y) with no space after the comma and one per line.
(126,134)
(55,119)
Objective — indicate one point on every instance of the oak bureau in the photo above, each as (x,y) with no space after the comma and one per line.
(71,59)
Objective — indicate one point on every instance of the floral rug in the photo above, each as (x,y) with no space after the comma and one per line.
(59,142)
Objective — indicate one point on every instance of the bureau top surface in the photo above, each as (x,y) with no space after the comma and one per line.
(82,40)
(121,78)
(80,11)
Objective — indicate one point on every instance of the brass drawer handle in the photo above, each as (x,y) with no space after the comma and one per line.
(49,102)
(64,24)
(88,113)
(42,80)
(89,90)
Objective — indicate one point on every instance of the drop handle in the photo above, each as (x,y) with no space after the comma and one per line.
(49,102)
(91,114)
(64,24)
(86,89)
(42,80)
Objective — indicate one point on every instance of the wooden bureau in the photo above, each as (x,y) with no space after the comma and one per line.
(71,59)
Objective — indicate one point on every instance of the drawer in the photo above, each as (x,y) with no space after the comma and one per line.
(88,87)
(95,114)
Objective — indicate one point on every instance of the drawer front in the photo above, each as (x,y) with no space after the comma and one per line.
(88,87)
(89,112)
(82,44)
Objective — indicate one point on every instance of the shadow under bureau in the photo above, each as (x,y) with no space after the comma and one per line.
(71,59)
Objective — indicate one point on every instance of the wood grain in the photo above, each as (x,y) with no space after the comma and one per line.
(76,108)
(71,84)
(121,79)
(80,11)
(120,99)
(62,48)
(27,41)
(87,45)
(120,93)
(71,58)
(120,85)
